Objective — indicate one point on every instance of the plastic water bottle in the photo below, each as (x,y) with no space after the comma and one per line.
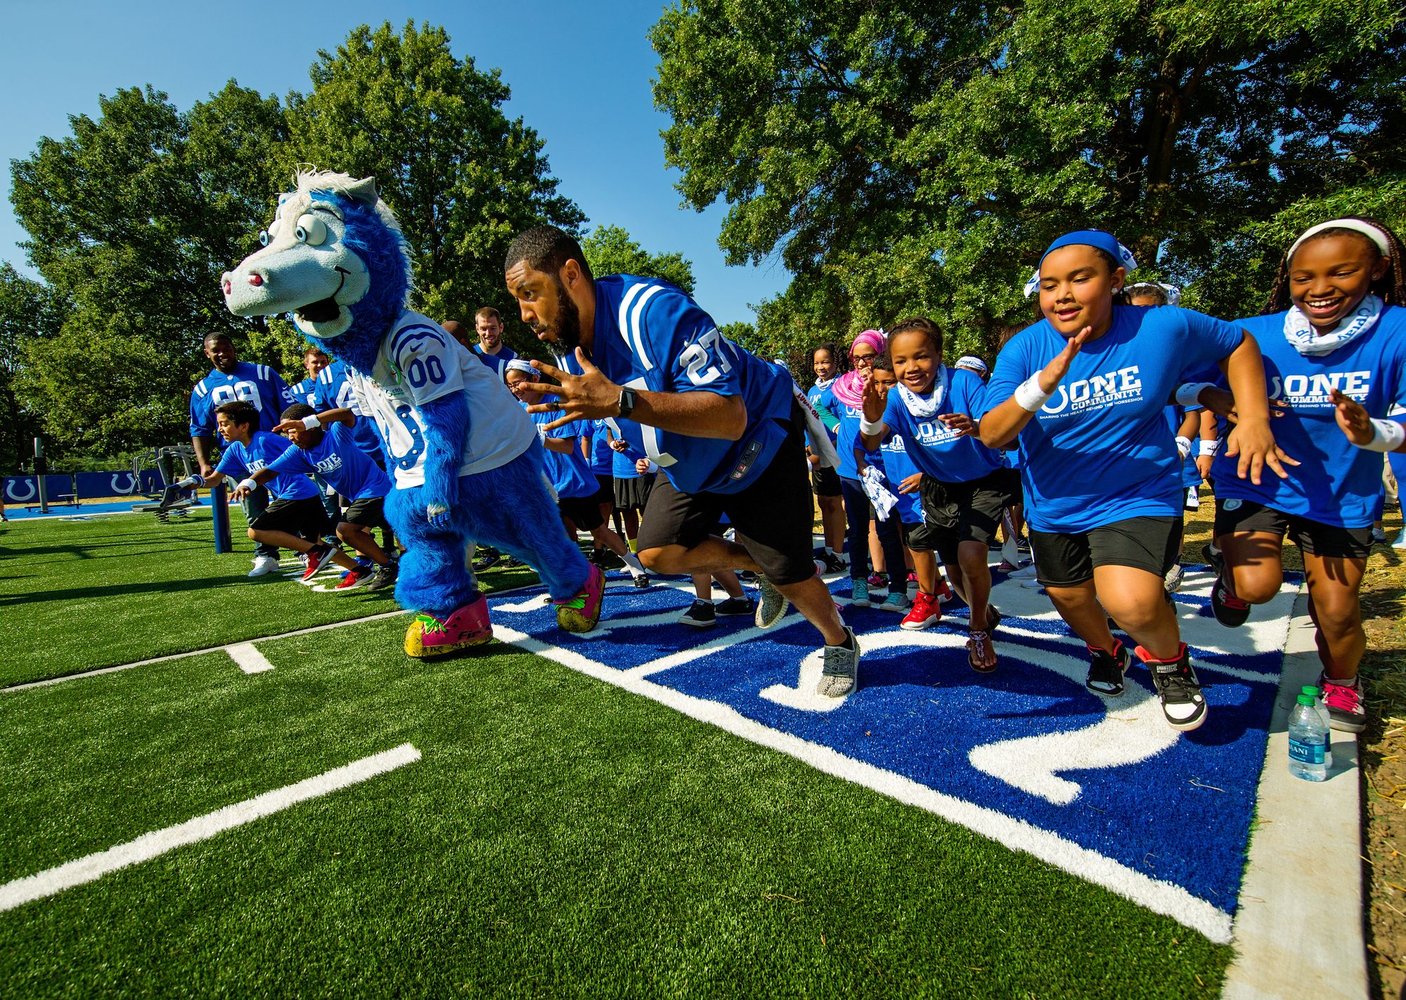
(1317,697)
(1306,733)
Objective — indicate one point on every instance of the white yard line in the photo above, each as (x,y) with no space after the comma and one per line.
(151,845)
(228,647)
(250,660)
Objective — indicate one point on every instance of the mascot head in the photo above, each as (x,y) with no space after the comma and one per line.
(333,256)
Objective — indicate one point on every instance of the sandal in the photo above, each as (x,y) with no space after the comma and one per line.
(981,656)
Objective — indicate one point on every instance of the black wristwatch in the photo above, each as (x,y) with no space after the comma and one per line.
(628,399)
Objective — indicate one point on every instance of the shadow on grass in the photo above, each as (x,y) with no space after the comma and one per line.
(120,589)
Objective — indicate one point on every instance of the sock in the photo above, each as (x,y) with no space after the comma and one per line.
(1347,682)
(634,544)
(633,564)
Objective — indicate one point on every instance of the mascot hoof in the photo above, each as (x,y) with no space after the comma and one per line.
(580,613)
(430,636)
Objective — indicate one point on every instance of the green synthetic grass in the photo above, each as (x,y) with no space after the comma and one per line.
(77,595)
(559,836)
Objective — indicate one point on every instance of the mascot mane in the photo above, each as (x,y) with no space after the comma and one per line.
(374,235)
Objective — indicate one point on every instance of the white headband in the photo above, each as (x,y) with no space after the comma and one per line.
(1356,225)
(517,365)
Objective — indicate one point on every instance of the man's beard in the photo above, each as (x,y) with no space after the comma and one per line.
(568,321)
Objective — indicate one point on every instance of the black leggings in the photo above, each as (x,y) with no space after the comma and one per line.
(857,536)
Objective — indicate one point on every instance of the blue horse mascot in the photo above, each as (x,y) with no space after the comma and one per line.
(466,459)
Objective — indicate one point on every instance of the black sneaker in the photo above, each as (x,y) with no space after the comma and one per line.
(1214,558)
(735,607)
(700,614)
(1183,705)
(1106,670)
(1229,611)
(830,562)
(641,581)
(486,558)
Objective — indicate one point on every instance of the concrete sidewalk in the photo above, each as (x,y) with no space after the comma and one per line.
(1299,930)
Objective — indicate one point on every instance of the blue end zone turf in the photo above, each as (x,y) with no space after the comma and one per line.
(1029,743)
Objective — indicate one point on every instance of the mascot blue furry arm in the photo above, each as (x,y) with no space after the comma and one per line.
(466,460)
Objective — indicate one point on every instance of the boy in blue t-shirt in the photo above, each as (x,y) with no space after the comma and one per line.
(324,447)
(294,519)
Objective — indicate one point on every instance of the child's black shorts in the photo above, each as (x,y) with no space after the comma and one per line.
(583,511)
(1330,541)
(305,518)
(965,512)
(1068,560)
(369,512)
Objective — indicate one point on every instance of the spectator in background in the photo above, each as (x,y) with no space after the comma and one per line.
(488,323)
(313,362)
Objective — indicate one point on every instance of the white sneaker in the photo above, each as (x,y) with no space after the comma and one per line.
(1171,583)
(263,566)
(1400,542)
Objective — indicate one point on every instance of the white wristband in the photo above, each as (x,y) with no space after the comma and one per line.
(311,422)
(247,484)
(1387,435)
(1209,448)
(1188,391)
(1029,396)
(872,430)
(1183,446)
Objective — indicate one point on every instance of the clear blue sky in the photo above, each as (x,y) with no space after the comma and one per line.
(580,74)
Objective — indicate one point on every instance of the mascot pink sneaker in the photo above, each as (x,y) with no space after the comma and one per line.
(429,636)
(466,461)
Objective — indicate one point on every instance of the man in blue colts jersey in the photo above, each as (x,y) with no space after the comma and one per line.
(232,381)
(720,423)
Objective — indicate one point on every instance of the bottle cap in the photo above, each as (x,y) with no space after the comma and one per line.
(1309,690)
(1306,699)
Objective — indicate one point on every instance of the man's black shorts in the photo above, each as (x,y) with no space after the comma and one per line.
(306,518)
(825,481)
(1068,560)
(1330,541)
(772,518)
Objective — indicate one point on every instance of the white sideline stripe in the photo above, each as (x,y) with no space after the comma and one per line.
(195,652)
(151,845)
(1160,897)
(250,660)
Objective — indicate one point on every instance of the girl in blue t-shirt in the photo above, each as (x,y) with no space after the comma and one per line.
(1334,344)
(965,486)
(1083,392)
(825,362)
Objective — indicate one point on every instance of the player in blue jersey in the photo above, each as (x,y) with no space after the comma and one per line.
(1083,392)
(233,380)
(721,423)
(1334,345)
(490,349)
(965,486)
(314,361)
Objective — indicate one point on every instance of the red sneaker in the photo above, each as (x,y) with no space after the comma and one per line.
(923,614)
(1346,712)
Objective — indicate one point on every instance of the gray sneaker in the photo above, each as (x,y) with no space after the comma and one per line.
(840,674)
(380,578)
(771,604)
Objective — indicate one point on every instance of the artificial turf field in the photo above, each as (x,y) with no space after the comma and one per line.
(556,835)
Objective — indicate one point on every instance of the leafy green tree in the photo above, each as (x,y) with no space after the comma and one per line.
(461,177)
(611,250)
(28,309)
(919,158)
(131,221)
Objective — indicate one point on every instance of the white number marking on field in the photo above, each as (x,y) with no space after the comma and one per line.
(249,659)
